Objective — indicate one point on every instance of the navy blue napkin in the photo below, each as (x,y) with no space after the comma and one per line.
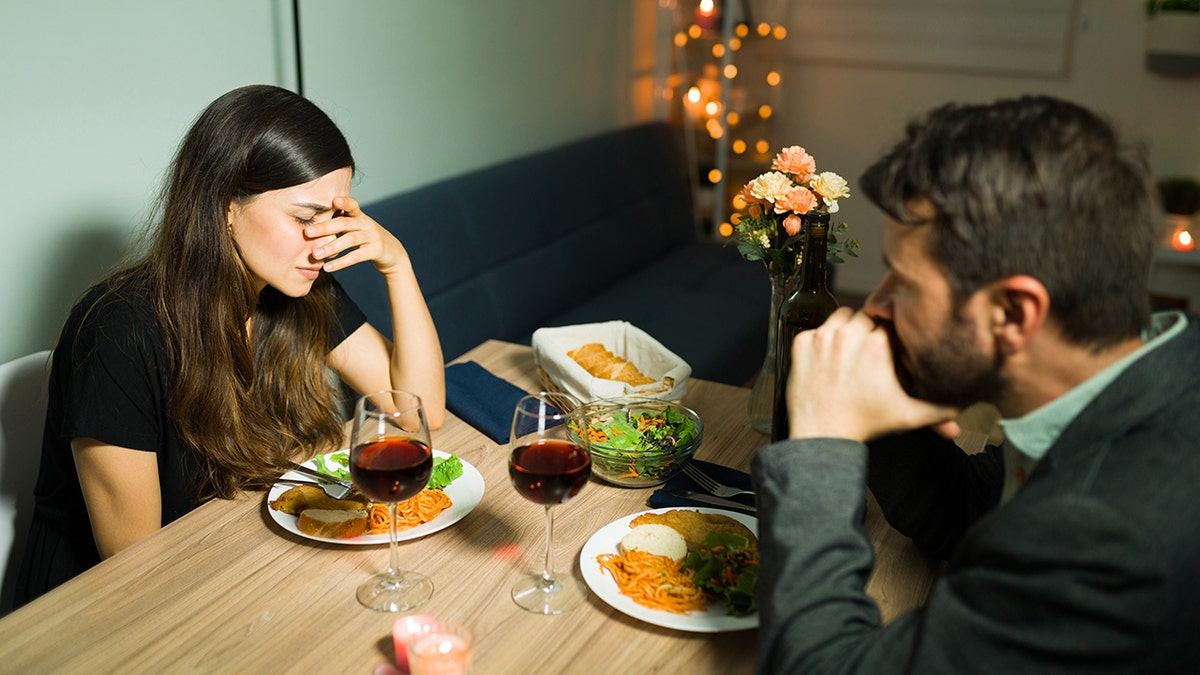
(481,399)
(732,477)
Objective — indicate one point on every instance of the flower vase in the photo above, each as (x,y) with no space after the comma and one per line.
(762,395)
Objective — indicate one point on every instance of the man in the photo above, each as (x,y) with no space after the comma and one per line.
(1018,246)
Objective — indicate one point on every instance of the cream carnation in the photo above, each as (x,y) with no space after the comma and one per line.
(771,186)
(831,187)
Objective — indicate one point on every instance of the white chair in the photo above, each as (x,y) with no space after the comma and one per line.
(22,416)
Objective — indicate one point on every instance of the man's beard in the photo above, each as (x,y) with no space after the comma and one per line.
(950,371)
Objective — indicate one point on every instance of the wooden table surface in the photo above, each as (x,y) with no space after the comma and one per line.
(225,589)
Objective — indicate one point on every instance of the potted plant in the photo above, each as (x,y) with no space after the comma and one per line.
(1173,36)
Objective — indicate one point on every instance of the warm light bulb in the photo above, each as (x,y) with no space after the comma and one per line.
(714,177)
(733,118)
(1183,241)
(695,32)
(762,146)
(780,32)
(706,6)
(715,129)
(739,203)
(712,107)
(730,71)
(681,39)
(739,146)
(773,78)
(742,30)
(718,51)
(735,44)
(725,229)
(764,111)
(764,29)
(693,95)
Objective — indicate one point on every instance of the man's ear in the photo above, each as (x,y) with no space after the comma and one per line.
(1020,307)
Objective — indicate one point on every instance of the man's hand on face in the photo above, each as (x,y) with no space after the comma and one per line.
(843,384)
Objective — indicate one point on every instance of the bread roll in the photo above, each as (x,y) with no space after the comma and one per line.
(656,540)
(332,523)
(601,363)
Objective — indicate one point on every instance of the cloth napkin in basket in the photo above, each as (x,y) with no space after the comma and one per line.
(481,399)
(739,479)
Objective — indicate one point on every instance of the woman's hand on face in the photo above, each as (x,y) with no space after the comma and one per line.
(355,237)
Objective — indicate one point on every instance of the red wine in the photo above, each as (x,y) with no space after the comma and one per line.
(549,471)
(391,469)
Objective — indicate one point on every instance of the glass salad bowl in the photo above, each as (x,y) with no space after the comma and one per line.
(639,442)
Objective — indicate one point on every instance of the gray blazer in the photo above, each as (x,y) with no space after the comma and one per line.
(1092,567)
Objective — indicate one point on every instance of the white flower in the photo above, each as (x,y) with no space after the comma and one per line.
(831,187)
(766,243)
(771,186)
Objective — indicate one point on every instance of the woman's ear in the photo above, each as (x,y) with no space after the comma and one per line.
(1020,306)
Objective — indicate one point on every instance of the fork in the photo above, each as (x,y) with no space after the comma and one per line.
(709,484)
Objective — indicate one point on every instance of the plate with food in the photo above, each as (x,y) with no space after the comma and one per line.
(668,567)
(302,508)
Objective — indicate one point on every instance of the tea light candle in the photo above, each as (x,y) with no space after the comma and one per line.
(404,630)
(445,649)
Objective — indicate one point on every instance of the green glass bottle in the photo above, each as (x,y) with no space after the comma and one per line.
(807,308)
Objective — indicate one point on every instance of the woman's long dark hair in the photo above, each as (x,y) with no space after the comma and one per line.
(243,403)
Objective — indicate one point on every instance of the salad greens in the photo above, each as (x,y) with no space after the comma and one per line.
(726,566)
(446,470)
(644,438)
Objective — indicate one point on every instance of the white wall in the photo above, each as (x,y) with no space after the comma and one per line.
(95,96)
(846,115)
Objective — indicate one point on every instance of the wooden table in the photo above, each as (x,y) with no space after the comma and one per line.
(224,589)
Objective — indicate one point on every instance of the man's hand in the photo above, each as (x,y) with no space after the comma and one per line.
(843,384)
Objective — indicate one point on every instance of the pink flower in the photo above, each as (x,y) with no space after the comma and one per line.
(748,196)
(797,200)
(796,161)
(792,224)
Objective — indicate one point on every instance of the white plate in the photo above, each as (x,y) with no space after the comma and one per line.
(607,540)
(465,493)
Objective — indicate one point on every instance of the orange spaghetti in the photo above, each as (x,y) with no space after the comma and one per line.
(654,581)
(420,509)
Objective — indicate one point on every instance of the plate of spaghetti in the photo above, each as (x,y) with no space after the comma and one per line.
(685,609)
(428,512)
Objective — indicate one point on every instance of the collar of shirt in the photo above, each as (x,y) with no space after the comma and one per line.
(1034,433)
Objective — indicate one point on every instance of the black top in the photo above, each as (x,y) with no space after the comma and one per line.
(109,381)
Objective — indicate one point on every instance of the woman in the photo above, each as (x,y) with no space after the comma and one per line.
(202,366)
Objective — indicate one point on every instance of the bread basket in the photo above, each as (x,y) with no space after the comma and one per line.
(559,372)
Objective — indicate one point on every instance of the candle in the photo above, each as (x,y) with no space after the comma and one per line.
(444,649)
(1182,240)
(404,630)
(706,15)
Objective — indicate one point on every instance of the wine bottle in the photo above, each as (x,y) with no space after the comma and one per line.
(804,309)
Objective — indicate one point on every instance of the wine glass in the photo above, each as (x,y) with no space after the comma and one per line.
(548,467)
(390,461)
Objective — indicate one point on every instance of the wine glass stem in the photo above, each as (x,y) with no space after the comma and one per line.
(393,546)
(548,567)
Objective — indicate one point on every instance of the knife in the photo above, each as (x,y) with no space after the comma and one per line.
(337,490)
(706,498)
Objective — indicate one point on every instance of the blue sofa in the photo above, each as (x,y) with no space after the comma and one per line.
(593,230)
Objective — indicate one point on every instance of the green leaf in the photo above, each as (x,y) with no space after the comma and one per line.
(445,471)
